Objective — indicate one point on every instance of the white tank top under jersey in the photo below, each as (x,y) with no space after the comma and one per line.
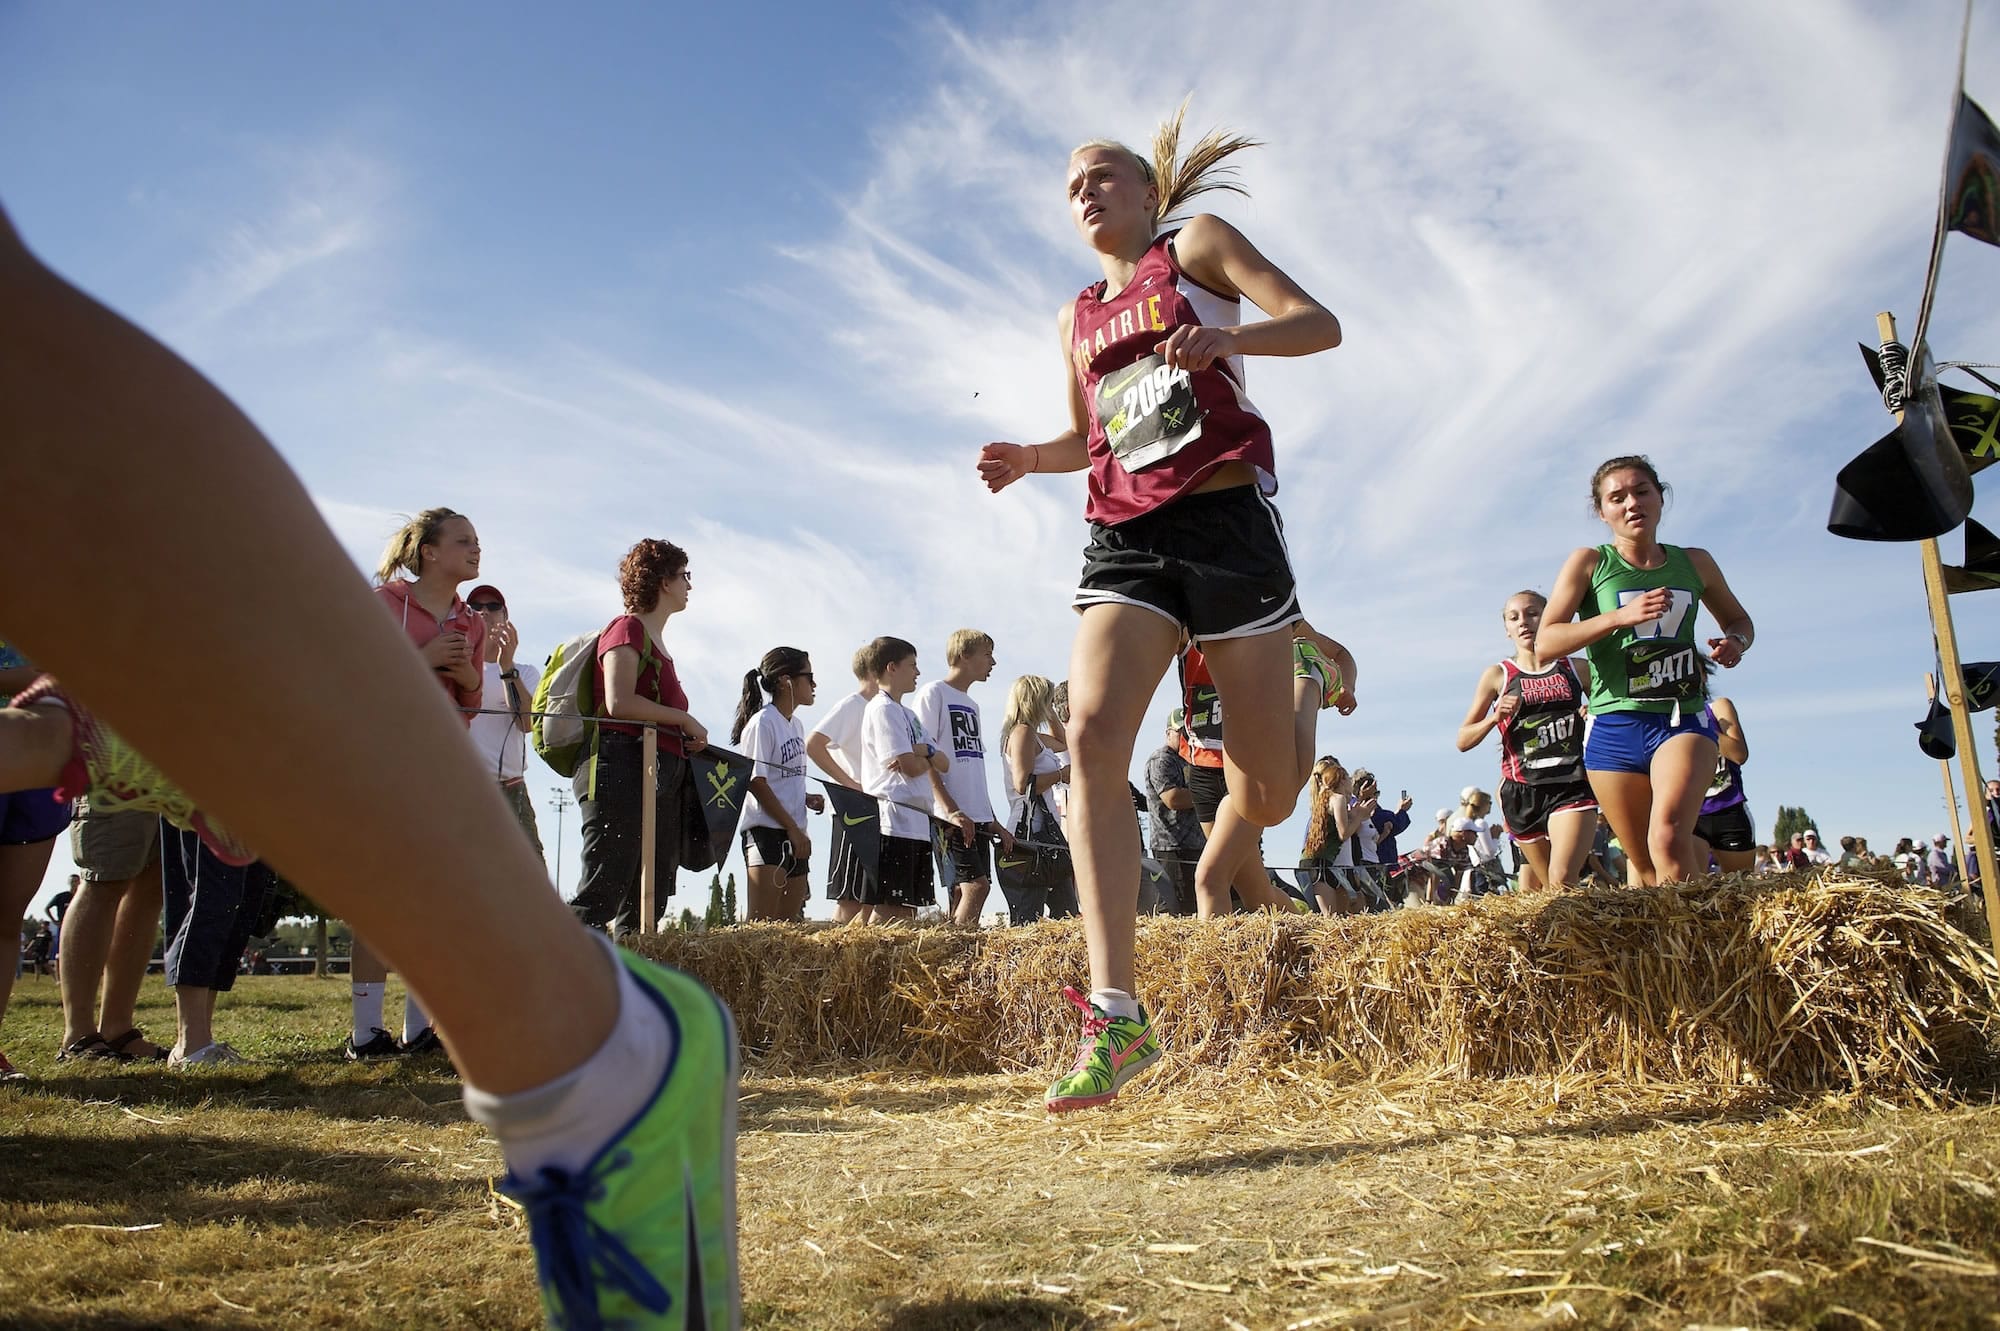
(951,717)
(776,748)
(842,728)
(503,745)
(1046,760)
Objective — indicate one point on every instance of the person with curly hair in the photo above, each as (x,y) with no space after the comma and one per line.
(636,684)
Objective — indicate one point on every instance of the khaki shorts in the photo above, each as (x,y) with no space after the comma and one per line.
(523,805)
(112,847)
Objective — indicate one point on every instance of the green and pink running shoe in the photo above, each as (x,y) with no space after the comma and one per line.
(117,778)
(644,1236)
(1113,1050)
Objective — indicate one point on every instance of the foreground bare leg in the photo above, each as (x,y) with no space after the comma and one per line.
(101,419)
(1120,654)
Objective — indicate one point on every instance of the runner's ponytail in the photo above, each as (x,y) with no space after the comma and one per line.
(1203,169)
(748,705)
(1177,178)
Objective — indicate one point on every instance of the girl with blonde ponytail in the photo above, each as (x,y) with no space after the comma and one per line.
(1184,538)
(428,559)
(776,849)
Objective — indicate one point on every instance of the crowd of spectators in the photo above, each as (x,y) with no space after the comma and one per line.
(917,751)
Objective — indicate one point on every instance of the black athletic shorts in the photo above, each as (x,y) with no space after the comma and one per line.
(1526,809)
(1213,563)
(770,847)
(850,876)
(960,863)
(906,878)
(1730,829)
(1208,785)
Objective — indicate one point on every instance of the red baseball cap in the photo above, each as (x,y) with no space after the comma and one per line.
(486,591)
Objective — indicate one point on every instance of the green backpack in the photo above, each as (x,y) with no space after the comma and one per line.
(566,695)
(566,698)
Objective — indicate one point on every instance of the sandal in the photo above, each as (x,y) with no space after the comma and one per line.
(85,1046)
(118,1048)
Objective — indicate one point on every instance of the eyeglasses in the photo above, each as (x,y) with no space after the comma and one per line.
(487,605)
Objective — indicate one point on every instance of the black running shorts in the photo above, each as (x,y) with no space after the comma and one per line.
(960,863)
(1209,786)
(1730,829)
(769,847)
(1526,808)
(1213,563)
(906,876)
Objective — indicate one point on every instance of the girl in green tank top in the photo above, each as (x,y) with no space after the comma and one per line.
(1630,604)
(1649,667)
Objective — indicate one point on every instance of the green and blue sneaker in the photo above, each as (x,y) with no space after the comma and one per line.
(1113,1050)
(645,1235)
(1308,662)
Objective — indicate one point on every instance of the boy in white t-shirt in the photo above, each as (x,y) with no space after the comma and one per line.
(835,748)
(946,710)
(896,760)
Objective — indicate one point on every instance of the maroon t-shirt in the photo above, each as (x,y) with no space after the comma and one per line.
(657,678)
(1155,432)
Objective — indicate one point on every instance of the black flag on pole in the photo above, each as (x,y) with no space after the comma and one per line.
(1909,485)
(857,839)
(1934,734)
(718,784)
(1981,569)
(1972,175)
(1982,684)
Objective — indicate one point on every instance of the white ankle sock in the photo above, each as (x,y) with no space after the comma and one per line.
(367,999)
(415,1023)
(1115,1003)
(564,1123)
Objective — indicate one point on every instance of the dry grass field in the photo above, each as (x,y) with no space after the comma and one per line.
(1290,1191)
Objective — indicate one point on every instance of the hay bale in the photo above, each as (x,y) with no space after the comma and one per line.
(1800,981)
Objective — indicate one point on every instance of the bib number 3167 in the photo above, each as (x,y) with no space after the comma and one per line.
(1149,412)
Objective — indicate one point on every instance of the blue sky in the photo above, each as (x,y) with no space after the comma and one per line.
(761,280)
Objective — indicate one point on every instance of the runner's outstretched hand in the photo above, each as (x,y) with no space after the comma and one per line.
(1000,465)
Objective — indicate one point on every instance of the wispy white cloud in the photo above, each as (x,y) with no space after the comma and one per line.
(1551,235)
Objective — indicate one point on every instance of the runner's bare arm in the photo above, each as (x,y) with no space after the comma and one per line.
(1729,737)
(1218,256)
(1558,636)
(1737,630)
(1480,718)
(1000,464)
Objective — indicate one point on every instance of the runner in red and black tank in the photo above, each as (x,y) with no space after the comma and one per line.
(1200,743)
(1183,537)
(1537,707)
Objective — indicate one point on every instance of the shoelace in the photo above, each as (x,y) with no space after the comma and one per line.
(576,1254)
(1095,1023)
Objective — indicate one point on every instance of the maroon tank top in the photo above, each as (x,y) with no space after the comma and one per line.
(1157,432)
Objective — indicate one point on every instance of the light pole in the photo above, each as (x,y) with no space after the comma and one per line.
(560,801)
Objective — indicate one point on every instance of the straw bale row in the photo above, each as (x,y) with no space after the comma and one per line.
(1793,981)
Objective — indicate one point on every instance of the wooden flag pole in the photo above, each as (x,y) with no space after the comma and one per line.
(1954,688)
(1964,850)
(649,832)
